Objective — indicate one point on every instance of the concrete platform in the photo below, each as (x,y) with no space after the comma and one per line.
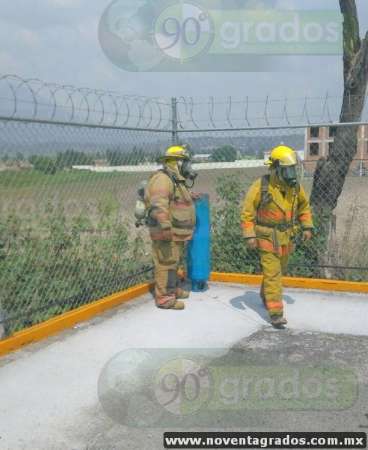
(49,391)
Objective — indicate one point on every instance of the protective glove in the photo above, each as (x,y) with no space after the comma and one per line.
(307,235)
(252,243)
(195,195)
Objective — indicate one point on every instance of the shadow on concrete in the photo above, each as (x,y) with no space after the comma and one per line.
(289,300)
(253,301)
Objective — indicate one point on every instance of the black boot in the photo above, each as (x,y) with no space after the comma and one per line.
(278,322)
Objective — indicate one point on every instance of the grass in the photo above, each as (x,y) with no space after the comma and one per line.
(28,192)
(31,180)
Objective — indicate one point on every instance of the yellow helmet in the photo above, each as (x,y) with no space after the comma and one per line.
(177,152)
(285,156)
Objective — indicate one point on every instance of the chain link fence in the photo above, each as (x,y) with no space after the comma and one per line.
(67,236)
(339,253)
(68,191)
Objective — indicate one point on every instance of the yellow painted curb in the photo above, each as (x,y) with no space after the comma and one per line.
(303,283)
(69,319)
(86,312)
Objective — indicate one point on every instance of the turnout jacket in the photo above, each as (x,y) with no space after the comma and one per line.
(170,206)
(274,218)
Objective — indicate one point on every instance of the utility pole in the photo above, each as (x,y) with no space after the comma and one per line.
(174,119)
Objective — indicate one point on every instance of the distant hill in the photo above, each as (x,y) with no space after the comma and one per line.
(246,144)
(49,140)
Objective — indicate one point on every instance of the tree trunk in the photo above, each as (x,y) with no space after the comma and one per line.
(330,174)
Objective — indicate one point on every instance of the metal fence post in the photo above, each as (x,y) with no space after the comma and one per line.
(174,120)
(2,323)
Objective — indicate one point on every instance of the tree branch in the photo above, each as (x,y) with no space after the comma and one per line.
(359,66)
(352,42)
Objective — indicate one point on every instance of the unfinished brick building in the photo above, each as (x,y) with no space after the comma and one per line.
(319,141)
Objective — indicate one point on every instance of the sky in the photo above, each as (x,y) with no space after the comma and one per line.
(57,41)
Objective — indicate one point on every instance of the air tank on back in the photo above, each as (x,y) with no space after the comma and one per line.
(199,249)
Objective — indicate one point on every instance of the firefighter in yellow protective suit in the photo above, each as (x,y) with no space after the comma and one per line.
(171,221)
(275,207)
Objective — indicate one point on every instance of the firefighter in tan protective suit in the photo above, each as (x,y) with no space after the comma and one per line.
(171,223)
(274,208)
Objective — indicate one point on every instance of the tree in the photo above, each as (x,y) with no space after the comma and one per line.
(155,156)
(136,156)
(19,157)
(115,157)
(73,158)
(44,164)
(226,153)
(100,155)
(330,174)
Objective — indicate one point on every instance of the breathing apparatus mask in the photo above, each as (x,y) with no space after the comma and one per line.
(288,174)
(287,166)
(186,170)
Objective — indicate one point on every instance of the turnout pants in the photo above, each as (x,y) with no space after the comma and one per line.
(273,267)
(166,259)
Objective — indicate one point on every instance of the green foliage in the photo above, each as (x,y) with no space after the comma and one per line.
(133,158)
(44,164)
(19,156)
(306,258)
(49,165)
(115,158)
(73,158)
(226,153)
(154,157)
(229,250)
(63,262)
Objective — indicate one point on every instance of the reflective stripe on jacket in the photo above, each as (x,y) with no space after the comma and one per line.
(288,206)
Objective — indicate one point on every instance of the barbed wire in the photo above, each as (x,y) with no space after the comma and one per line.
(34,99)
(233,113)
